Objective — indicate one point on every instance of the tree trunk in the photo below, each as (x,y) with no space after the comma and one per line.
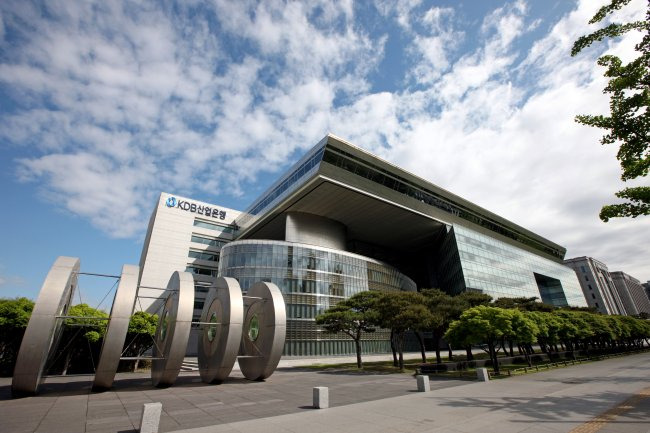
(511,346)
(421,342)
(393,348)
(357,345)
(493,357)
(450,355)
(470,355)
(400,349)
(436,345)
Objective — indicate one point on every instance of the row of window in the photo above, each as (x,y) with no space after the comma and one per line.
(211,242)
(198,270)
(204,255)
(284,186)
(223,228)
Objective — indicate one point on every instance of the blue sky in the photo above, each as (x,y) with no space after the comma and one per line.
(105,104)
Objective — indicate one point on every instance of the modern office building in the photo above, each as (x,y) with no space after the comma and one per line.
(342,220)
(597,285)
(183,235)
(632,293)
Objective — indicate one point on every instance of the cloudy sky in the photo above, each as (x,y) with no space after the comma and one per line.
(103,105)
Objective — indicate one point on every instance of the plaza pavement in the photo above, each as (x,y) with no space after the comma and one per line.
(610,396)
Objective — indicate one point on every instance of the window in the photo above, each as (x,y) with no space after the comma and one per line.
(212,242)
(589,285)
(201,271)
(596,304)
(586,278)
(203,255)
(593,296)
(213,226)
(582,268)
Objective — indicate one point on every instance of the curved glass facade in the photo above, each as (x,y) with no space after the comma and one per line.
(312,279)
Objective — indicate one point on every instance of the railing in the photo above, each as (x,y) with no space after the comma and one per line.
(564,363)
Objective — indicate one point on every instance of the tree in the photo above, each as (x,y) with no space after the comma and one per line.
(14,316)
(353,316)
(482,325)
(470,299)
(523,304)
(80,342)
(401,312)
(524,332)
(139,337)
(629,119)
(444,310)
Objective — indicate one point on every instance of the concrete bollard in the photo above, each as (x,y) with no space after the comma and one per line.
(423,383)
(150,417)
(321,397)
(482,374)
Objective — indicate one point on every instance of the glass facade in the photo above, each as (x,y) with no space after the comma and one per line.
(283,188)
(312,279)
(502,270)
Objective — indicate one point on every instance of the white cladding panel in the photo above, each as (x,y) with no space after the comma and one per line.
(168,241)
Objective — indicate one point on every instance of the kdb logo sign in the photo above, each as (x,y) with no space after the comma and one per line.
(193,207)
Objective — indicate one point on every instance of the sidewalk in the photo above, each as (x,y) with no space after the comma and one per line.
(560,400)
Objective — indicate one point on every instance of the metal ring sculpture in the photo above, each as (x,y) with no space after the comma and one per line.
(118,326)
(220,339)
(265,328)
(44,328)
(173,330)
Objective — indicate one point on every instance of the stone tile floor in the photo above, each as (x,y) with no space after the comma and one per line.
(66,404)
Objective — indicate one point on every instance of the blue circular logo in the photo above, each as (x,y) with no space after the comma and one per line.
(171,202)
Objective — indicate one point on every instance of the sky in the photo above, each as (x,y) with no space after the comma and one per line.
(105,104)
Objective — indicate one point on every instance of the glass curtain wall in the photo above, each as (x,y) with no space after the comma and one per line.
(502,270)
(312,279)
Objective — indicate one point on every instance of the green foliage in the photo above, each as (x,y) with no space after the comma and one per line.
(401,312)
(523,304)
(471,299)
(81,340)
(14,316)
(482,324)
(95,329)
(444,310)
(629,119)
(353,316)
(139,338)
(639,204)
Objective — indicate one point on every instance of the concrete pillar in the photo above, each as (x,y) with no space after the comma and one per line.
(423,383)
(482,374)
(321,397)
(150,417)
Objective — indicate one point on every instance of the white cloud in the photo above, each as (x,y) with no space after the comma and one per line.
(119,102)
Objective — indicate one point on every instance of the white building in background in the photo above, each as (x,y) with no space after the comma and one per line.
(632,293)
(597,285)
(183,235)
